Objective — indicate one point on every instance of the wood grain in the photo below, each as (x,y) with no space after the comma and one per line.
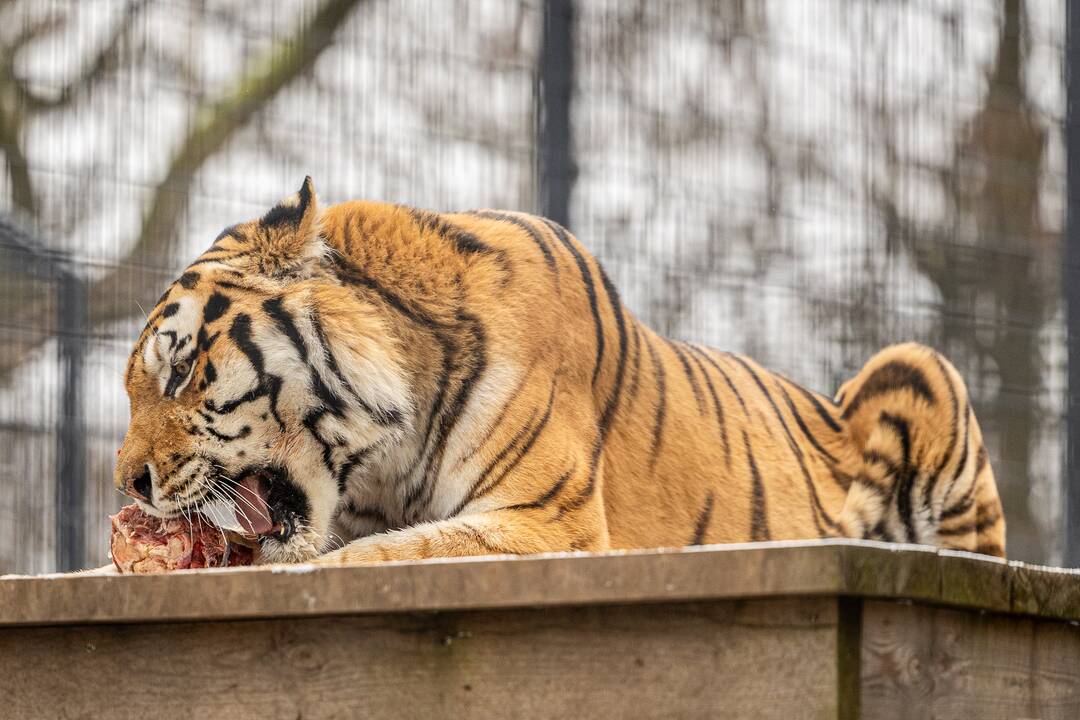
(838,567)
(734,659)
(931,662)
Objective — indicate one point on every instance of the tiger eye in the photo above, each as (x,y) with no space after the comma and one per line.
(182,368)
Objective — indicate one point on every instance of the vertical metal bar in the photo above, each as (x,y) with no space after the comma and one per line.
(1071,284)
(71,436)
(554,93)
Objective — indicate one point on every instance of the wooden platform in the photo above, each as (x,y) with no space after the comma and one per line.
(771,630)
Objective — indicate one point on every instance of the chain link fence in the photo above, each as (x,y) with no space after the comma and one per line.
(800,180)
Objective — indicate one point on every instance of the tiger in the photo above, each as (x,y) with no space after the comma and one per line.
(367,382)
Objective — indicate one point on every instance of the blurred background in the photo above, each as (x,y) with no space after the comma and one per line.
(803,181)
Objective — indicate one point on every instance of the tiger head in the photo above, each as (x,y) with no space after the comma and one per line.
(259,385)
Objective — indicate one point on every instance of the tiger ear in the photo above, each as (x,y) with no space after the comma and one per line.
(289,241)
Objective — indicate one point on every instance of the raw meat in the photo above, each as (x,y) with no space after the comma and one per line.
(142,543)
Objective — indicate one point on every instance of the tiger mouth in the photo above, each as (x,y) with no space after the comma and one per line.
(260,502)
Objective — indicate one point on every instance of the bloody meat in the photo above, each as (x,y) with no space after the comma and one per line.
(142,543)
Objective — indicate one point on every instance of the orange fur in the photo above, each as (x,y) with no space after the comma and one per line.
(542,416)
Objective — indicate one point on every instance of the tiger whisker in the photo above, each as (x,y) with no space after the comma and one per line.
(216,495)
(232,492)
(237,496)
(219,493)
(237,509)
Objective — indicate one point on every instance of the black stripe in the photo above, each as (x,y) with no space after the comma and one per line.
(694,352)
(661,403)
(480,539)
(511,401)
(965,502)
(274,307)
(881,531)
(533,233)
(817,509)
(311,423)
(386,417)
(590,291)
(703,520)
(903,430)
(547,497)
(612,405)
(457,359)
(449,418)
(463,241)
(980,461)
(984,523)
(579,500)
(608,415)
(216,306)
(891,377)
(906,477)
(964,505)
(447,405)
(727,379)
(188,280)
(522,452)
(759,523)
(268,386)
(240,333)
(204,342)
(229,232)
(689,374)
(842,479)
(931,483)
(353,459)
(812,398)
(242,287)
(515,440)
(169,310)
(365,512)
(216,258)
(243,433)
(803,428)
(328,398)
(962,465)
(635,370)
(865,481)
(874,457)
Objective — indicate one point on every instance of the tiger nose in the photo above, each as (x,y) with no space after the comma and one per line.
(139,486)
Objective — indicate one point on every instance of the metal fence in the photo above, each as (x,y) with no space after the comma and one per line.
(802,180)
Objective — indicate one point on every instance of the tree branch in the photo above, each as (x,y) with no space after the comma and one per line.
(214,125)
(106,59)
(18,167)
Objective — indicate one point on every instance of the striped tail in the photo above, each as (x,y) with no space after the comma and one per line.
(925,477)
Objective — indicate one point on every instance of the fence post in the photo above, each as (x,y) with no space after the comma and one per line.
(1071,284)
(71,433)
(554,93)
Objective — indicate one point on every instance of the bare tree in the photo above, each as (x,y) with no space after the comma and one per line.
(215,121)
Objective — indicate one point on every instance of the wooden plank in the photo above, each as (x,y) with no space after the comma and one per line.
(767,658)
(838,567)
(554,580)
(931,662)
